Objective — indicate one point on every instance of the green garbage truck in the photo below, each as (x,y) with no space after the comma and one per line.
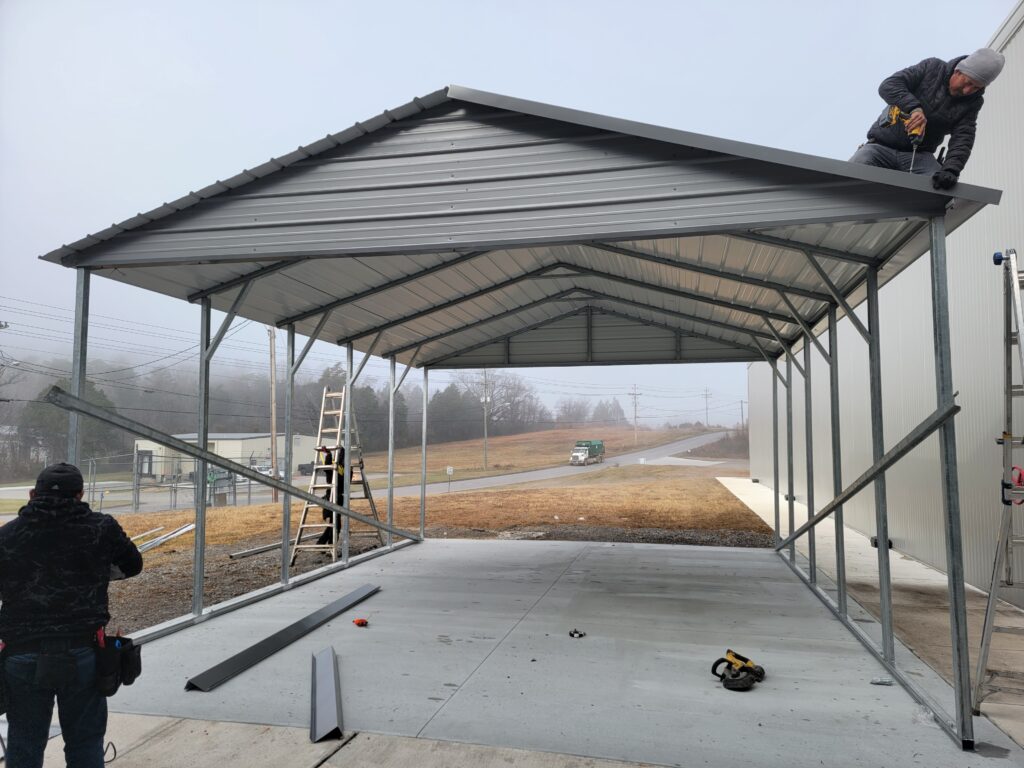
(586,452)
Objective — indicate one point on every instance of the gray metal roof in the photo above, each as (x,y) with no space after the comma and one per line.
(467,229)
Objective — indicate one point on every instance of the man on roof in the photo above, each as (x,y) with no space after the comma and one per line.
(927,102)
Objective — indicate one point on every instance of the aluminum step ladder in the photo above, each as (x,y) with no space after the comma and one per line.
(330,444)
(987,680)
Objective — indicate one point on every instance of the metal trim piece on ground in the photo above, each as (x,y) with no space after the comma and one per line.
(325,697)
(220,673)
(187,528)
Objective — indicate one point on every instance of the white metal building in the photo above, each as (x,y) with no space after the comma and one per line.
(976,297)
(251,449)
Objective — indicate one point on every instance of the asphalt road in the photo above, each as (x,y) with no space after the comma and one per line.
(117,495)
(565,470)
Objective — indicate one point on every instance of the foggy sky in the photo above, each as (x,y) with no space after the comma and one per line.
(109,108)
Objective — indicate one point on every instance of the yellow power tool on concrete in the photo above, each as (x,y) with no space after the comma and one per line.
(737,672)
(916,134)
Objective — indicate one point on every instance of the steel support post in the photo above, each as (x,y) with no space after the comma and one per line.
(812,555)
(423,456)
(950,485)
(388,540)
(877,450)
(286,500)
(775,449)
(78,361)
(837,462)
(347,484)
(202,442)
(789,454)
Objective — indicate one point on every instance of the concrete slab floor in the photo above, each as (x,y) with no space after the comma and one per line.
(468,642)
(145,742)
(920,603)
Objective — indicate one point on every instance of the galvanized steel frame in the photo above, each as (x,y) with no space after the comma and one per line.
(960,726)
(831,300)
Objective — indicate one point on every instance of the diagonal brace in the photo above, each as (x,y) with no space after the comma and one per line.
(806,328)
(838,296)
(920,433)
(226,323)
(69,402)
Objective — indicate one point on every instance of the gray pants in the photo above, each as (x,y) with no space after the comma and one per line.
(886,157)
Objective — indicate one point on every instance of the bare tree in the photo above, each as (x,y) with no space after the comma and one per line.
(572,412)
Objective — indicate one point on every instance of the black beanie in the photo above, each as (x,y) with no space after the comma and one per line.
(59,480)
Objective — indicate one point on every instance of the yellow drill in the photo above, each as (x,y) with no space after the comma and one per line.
(916,134)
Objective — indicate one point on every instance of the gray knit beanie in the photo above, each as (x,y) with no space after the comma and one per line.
(983,66)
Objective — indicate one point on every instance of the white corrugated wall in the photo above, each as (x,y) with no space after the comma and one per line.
(915,511)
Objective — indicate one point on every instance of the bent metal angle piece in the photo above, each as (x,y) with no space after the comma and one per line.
(325,697)
(241,661)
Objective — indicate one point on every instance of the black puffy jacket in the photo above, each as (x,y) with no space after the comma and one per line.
(926,85)
(55,560)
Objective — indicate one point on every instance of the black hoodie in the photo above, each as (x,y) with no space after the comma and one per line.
(926,85)
(55,563)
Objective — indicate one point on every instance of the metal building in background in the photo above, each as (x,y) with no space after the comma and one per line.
(467,229)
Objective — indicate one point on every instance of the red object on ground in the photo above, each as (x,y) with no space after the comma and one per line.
(360,622)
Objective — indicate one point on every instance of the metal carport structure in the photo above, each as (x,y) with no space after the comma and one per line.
(469,230)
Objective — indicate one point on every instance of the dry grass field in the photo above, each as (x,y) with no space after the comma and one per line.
(635,496)
(518,453)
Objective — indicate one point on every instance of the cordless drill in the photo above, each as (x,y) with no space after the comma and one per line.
(916,134)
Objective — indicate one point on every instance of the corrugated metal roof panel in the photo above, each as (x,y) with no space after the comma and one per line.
(466,216)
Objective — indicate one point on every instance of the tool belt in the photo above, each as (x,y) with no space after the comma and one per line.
(118,661)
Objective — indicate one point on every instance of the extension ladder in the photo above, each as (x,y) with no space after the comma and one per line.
(988,680)
(330,441)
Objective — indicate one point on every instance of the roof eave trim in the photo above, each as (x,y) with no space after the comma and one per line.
(915,182)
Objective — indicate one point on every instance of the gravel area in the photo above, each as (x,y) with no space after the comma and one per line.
(164,591)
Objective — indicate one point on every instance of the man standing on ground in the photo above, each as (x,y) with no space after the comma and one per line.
(56,561)
(940,98)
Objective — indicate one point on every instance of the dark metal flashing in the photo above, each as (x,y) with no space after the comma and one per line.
(220,673)
(325,697)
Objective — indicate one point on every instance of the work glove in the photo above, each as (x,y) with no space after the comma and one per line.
(945,178)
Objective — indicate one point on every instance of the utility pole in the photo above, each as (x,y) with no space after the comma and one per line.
(272,335)
(485,400)
(636,396)
(707,397)
(743,420)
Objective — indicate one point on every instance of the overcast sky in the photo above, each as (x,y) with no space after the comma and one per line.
(109,108)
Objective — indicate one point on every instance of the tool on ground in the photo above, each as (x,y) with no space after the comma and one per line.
(361,622)
(1011,528)
(737,672)
(576,633)
(916,134)
(328,476)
